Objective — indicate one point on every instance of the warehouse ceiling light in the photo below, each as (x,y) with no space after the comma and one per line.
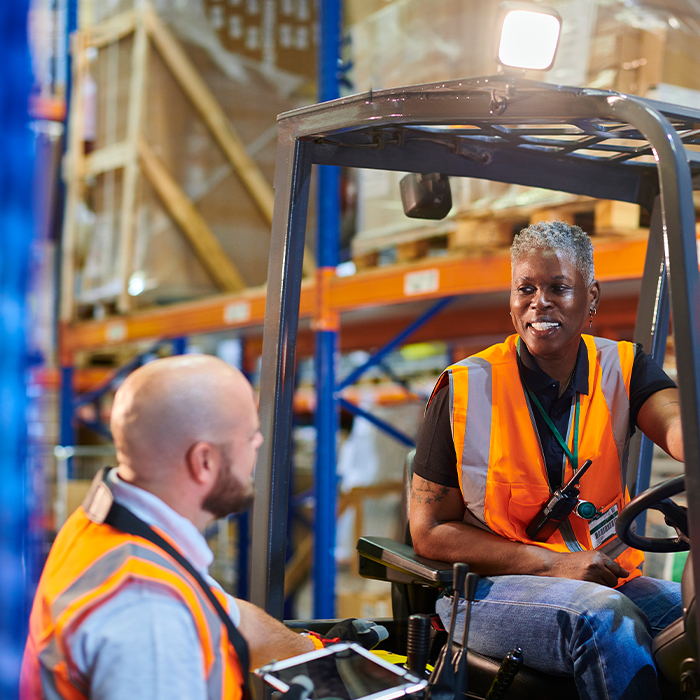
(526,36)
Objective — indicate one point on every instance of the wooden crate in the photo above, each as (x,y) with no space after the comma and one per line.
(399,251)
(596,217)
(480,234)
(140,185)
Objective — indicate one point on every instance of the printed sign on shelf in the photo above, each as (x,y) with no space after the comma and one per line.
(421,282)
(237,312)
(116,332)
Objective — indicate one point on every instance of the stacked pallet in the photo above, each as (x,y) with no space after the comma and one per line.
(485,231)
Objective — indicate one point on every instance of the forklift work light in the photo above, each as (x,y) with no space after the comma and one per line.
(526,36)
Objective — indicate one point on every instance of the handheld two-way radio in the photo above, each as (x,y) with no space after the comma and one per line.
(557,508)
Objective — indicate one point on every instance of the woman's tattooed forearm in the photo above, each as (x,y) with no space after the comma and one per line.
(427,491)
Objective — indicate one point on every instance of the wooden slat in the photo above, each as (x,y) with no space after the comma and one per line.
(111,30)
(215,118)
(73,178)
(137,87)
(213,115)
(112,157)
(298,566)
(205,244)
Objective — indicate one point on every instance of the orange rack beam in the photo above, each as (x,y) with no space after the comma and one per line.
(615,260)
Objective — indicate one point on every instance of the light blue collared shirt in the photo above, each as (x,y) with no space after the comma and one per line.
(142,644)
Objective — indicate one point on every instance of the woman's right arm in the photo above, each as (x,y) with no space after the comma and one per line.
(439,532)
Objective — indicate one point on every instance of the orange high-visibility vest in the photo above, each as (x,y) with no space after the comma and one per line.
(501,467)
(88,563)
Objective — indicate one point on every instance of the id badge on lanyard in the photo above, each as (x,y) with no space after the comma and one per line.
(602,527)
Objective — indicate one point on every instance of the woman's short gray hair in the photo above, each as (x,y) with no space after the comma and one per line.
(560,236)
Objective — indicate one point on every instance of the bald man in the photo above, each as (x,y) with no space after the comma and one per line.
(117,618)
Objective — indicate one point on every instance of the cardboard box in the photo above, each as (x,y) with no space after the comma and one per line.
(634,52)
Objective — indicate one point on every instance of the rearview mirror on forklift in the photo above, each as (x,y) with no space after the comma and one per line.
(426,195)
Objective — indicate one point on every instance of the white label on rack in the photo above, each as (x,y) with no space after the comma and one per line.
(237,312)
(116,332)
(421,282)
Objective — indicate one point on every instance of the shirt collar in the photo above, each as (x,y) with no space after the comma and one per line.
(153,511)
(538,380)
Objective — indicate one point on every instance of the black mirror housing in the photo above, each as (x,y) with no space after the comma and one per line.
(426,195)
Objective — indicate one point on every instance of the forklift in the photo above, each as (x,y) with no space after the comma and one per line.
(506,129)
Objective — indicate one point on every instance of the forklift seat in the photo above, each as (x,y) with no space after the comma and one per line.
(416,584)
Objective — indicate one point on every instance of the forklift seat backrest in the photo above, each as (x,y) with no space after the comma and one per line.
(406,496)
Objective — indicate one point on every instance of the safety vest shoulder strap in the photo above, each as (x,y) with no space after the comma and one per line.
(122,519)
(89,562)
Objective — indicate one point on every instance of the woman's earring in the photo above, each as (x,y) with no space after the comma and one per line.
(591,315)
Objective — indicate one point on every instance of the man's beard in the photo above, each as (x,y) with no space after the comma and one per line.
(229,494)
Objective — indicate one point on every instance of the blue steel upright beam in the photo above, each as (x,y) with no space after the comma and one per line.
(66,434)
(16,233)
(327,244)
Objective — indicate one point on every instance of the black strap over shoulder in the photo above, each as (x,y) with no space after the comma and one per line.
(123,519)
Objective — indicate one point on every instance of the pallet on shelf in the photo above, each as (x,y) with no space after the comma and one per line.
(483,231)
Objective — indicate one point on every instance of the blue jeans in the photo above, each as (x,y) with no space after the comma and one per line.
(601,636)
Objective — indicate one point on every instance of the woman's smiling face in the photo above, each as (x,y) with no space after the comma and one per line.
(550,303)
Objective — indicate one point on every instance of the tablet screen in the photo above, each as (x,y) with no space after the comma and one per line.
(347,674)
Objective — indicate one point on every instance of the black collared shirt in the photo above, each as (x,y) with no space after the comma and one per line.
(436,459)
(558,408)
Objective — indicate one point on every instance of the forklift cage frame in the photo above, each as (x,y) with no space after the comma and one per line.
(581,141)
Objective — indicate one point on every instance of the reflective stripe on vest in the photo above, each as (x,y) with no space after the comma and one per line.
(88,563)
(502,474)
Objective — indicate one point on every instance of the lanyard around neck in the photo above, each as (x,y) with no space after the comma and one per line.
(573,457)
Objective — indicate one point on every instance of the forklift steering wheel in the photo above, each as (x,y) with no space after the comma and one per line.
(657,498)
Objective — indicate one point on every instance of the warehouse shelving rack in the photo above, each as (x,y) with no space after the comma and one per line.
(377,308)
(374,308)
(430,278)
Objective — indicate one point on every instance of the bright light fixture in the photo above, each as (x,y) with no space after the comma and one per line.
(527,36)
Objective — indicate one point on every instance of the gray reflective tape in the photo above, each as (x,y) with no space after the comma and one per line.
(614,548)
(215,681)
(612,384)
(567,532)
(109,564)
(477,436)
(49,691)
(50,656)
(466,362)
(569,428)
(452,403)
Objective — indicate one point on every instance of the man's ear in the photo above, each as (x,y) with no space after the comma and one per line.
(202,461)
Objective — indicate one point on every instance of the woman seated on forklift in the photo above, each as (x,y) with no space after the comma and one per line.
(507,427)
